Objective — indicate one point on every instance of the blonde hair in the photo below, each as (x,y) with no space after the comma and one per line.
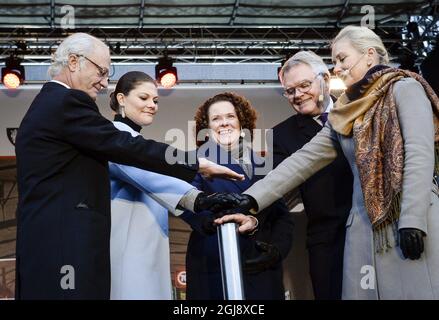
(362,38)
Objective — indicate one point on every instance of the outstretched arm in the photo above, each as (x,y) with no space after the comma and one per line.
(297,168)
(167,191)
(86,129)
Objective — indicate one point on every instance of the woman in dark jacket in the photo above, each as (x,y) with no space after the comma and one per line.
(225,117)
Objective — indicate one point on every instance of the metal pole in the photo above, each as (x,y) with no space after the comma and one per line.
(230,258)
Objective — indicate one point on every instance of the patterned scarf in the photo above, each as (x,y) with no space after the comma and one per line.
(372,119)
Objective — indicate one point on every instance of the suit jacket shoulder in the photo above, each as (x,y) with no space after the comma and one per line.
(285,126)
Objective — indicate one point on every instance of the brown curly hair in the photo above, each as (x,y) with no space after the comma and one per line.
(247,115)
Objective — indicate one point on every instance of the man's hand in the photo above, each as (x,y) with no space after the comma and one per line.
(411,243)
(216,202)
(232,204)
(209,170)
(247,224)
(269,256)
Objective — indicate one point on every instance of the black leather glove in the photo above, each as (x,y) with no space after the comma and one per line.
(222,204)
(269,256)
(216,202)
(411,242)
(247,205)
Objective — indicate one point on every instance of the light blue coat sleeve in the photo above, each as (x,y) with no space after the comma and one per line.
(166,190)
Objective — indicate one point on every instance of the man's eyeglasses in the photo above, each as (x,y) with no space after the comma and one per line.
(303,87)
(103,72)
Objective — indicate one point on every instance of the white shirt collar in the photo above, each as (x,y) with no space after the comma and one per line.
(328,109)
(61,83)
(124,127)
(330,106)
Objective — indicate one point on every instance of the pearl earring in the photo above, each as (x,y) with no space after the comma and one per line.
(242,134)
(122,111)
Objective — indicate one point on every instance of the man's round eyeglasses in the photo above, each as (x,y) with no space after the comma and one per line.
(103,72)
(303,87)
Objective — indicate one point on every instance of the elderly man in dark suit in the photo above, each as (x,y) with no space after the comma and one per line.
(62,148)
(327,195)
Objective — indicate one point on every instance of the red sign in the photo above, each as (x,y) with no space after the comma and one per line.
(180,279)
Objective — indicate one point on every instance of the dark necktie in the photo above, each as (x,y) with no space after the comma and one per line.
(323,118)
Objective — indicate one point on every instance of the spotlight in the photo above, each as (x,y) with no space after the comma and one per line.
(13,73)
(336,84)
(165,73)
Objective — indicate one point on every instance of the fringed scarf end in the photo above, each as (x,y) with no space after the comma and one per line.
(381,230)
(436,160)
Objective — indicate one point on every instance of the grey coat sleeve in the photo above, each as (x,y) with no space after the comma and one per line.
(416,120)
(297,168)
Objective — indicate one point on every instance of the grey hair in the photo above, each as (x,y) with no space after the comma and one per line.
(362,38)
(308,58)
(78,43)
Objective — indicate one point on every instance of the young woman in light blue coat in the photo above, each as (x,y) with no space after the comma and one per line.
(140,260)
(140,263)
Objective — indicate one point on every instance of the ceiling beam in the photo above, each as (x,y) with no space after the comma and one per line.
(141,13)
(235,10)
(52,14)
(343,12)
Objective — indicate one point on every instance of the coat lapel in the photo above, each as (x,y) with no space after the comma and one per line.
(257,162)
(308,126)
(213,152)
